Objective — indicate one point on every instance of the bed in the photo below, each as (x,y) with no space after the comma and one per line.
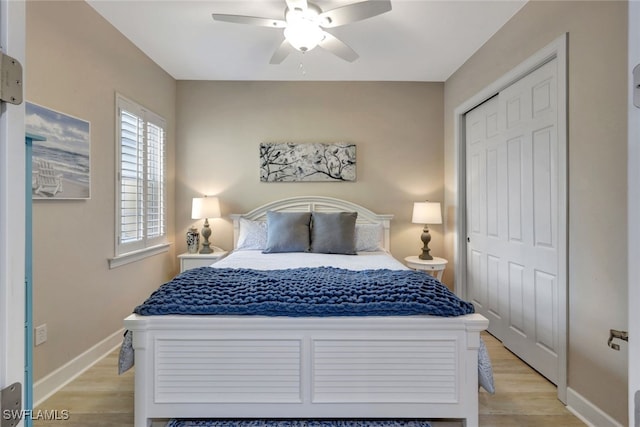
(365,366)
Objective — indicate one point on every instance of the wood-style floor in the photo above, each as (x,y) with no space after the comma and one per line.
(523,398)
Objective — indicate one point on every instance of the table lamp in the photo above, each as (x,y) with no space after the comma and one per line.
(426,213)
(205,207)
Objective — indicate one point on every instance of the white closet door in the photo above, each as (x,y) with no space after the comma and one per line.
(512,217)
(485,218)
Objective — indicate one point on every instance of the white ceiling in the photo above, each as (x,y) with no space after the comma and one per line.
(419,40)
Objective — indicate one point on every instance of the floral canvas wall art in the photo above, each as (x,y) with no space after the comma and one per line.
(293,162)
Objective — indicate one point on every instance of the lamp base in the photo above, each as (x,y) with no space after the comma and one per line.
(425,255)
(426,238)
(206,233)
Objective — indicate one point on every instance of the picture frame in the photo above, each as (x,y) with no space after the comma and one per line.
(61,160)
(307,162)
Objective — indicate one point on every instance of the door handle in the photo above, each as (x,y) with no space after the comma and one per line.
(636,86)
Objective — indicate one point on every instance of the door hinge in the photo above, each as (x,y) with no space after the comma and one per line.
(10,80)
(636,86)
(11,405)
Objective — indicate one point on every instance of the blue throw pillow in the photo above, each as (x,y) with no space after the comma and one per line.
(288,232)
(333,232)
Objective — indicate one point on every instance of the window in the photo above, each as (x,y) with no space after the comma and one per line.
(141,181)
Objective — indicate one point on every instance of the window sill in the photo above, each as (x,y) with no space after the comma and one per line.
(138,255)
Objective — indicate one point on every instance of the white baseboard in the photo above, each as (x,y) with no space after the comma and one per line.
(45,387)
(588,413)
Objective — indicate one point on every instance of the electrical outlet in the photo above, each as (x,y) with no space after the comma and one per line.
(41,334)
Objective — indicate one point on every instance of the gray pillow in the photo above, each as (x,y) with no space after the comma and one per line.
(334,233)
(287,232)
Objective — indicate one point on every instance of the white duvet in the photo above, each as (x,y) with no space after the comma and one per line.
(255,259)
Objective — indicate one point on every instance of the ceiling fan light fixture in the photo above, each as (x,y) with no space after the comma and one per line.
(303,35)
(304,23)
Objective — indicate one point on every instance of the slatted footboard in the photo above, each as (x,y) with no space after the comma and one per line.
(271,367)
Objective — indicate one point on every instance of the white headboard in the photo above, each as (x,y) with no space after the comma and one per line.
(315,204)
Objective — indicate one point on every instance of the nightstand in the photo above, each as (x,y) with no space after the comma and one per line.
(434,266)
(189,261)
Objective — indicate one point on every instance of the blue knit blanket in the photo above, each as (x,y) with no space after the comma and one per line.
(304,292)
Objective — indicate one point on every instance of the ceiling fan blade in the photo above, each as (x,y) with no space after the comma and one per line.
(281,52)
(297,4)
(338,47)
(250,20)
(353,12)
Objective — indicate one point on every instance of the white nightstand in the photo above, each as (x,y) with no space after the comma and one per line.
(434,266)
(189,261)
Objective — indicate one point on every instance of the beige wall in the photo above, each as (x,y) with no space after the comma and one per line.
(76,62)
(397,128)
(597,173)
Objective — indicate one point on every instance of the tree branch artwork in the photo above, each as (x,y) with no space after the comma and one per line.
(291,162)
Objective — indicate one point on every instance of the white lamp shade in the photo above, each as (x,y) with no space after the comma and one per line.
(426,213)
(205,207)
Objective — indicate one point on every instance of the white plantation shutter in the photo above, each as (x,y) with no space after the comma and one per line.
(141,210)
(155,181)
(131,177)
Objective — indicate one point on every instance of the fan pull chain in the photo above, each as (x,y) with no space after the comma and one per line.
(301,68)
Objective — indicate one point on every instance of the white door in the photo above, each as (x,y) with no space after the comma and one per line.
(12,200)
(485,224)
(512,217)
(634,225)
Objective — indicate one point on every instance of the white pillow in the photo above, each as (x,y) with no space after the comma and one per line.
(369,237)
(252,235)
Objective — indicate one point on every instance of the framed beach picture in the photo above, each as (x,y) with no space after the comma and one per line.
(61,163)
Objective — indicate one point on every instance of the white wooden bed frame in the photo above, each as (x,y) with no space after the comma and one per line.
(337,367)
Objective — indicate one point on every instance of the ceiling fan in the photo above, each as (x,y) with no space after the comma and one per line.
(304,25)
